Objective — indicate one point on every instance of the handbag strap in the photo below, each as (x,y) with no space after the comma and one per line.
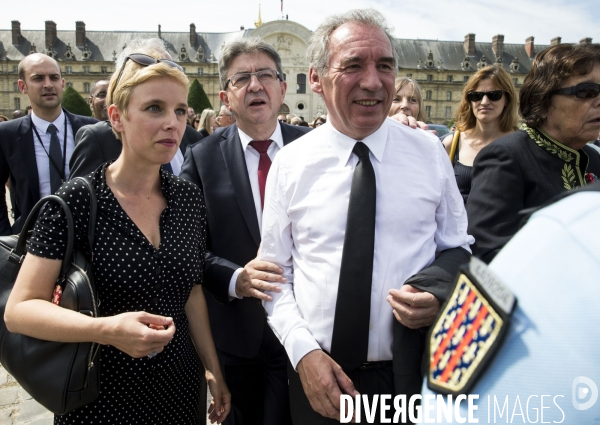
(454,146)
(93,209)
(32,218)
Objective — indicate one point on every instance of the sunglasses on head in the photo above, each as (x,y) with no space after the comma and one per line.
(581,90)
(477,96)
(144,60)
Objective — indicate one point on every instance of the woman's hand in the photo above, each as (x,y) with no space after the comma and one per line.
(138,334)
(221,398)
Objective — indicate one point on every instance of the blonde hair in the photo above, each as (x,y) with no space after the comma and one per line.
(465,119)
(133,75)
(207,114)
(416,92)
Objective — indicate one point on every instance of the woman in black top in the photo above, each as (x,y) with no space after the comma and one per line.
(487,111)
(148,258)
(560,104)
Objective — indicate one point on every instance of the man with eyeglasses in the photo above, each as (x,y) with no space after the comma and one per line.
(231,167)
(97,100)
(96,144)
(225,118)
(35,149)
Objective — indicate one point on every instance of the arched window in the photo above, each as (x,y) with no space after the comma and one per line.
(301,83)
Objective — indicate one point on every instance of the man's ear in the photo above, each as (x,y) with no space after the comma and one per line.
(22,86)
(224,98)
(315,81)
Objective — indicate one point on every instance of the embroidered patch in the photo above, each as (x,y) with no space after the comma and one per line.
(469,330)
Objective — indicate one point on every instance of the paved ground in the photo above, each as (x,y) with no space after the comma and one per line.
(16,406)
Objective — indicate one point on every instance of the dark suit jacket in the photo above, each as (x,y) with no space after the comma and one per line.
(17,162)
(218,166)
(96,144)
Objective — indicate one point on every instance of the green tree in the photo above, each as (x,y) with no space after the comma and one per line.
(197,98)
(74,103)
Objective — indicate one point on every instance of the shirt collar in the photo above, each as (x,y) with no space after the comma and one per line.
(277,137)
(342,145)
(42,125)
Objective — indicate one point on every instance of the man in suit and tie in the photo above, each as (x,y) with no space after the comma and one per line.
(364,216)
(35,149)
(97,143)
(231,167)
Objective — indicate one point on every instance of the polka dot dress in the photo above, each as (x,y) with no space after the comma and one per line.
(131,275)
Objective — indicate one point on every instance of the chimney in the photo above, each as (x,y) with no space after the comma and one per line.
(529,47)
(498,45)
(50,33)
(16,32)
(587,40)
(80,34)
(555,41)
(470,44)
(193,35)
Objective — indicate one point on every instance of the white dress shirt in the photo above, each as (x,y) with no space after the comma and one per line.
(177,162)
(419,212)
(252,159)
(41,152)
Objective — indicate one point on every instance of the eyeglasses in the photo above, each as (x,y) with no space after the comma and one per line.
(477,96)
(242,79)
(197,121)
(318,123)
(144,60)
(581,90)
(99,95)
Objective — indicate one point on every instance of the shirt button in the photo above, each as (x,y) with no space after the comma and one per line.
(157,286)
(370,326)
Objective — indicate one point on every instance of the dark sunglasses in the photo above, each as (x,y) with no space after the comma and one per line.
(581,90)
(477,96)
(144,60)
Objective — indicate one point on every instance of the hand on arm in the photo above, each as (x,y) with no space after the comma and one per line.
(412,307)
(409,121)
(197,314)
(324,382)
(257,277)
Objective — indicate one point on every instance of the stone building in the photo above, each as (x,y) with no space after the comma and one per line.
(441,67)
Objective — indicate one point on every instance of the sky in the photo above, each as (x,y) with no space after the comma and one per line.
(425,19)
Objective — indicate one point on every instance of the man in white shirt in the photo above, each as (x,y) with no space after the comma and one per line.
(319,200)
(35,149)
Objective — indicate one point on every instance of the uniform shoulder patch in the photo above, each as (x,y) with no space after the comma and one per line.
(469,329)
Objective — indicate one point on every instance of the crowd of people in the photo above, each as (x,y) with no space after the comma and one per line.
(281,262)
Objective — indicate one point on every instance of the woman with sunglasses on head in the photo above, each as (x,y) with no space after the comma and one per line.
(487,112)
(560,105)
(147,259)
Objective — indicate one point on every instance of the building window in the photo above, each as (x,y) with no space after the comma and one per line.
(429,78)
(301,83)
(86,69)
(448,95)
(449,78)
(68,69)
(409,75)
(86,87)
(284,77)
(16,87)
(103,70)
(515,81)
(300,106)
(466,78)
(69,84)
(428,95)
(428,111)
(448,111)
(17,103)
(200,71)
(15,69)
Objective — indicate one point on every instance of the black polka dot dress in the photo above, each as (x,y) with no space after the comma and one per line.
(131,275)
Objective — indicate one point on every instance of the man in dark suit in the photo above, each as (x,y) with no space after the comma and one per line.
(231,168)
(35,149)
(97,143)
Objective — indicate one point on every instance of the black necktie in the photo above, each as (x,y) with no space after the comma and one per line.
(350,340)
(56,159)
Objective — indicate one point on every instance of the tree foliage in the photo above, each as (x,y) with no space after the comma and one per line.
(197,97)
(74,103)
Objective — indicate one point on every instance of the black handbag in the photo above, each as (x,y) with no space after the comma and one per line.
(60,376)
